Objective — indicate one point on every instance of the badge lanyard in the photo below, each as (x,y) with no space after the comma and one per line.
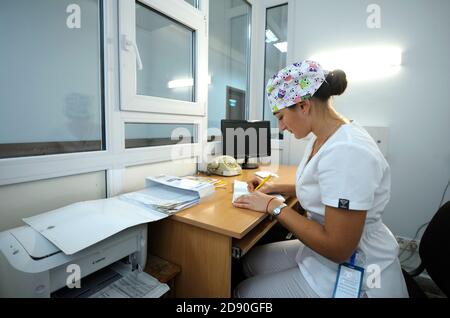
(348,280)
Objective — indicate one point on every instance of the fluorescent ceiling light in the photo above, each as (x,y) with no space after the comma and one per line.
(282,46)
(187,82)
(366,63)
(270,36)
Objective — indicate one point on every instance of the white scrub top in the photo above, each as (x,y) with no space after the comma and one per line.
(349,172)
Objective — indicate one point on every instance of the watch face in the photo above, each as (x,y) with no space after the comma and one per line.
(277,210)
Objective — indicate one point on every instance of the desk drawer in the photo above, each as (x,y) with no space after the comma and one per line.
(240,247)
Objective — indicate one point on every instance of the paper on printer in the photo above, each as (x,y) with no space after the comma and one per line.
(132,284)
(80,225)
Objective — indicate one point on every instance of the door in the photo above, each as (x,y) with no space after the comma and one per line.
(235,103)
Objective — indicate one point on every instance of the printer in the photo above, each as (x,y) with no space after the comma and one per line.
(33,267)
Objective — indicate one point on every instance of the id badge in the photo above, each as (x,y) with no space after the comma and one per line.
(349,281)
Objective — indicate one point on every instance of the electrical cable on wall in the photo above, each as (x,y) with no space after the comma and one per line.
(421,227)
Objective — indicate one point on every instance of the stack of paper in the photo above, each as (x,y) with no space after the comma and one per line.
(163,199)
(169,195)
(132,284)
(200,187)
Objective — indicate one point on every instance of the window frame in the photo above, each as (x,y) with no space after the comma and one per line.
(115,158)
(259,57)
(218,138)
(39,167)
(257,85)
(184,13)
(149,141)
(164,152)
(102,103)
(198,4)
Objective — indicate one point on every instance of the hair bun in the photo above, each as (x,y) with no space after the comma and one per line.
(337,80)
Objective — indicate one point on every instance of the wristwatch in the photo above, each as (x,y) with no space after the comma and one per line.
(277,210)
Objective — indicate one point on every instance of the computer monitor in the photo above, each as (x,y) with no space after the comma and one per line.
(243,139)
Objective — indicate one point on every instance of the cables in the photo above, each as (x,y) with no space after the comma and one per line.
(443,194)
(421,227)
(410,242)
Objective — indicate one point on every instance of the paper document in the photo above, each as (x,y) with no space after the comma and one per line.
(133,284)
(263,174)
(163,199)
(80,225)
(169,195)
(240,188)
(200,187)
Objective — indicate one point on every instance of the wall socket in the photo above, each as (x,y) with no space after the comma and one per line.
(407,243)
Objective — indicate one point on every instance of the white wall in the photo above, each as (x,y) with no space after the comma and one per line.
(414,104)
(23,200)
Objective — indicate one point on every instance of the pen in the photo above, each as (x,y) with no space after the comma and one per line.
(263,181)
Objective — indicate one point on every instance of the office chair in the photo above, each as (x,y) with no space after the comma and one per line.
(434,249)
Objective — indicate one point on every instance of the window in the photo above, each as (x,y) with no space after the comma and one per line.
(162,57)
(275,52)
(139,135)
(51,80)
(55,99)
(229,60)
(194,3)
(169,65)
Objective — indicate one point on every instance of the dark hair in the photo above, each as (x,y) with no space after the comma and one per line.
(334,85)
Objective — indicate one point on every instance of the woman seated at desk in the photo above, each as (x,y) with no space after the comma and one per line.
(343,182)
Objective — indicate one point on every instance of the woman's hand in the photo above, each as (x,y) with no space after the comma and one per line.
(256,201)
(253,183)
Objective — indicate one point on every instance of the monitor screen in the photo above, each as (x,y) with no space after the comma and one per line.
(246,139)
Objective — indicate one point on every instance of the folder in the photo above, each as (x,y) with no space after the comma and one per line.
(169,195)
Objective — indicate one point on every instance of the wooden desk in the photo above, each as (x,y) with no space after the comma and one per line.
(200,239)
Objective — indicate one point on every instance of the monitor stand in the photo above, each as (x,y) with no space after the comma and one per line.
(248,165)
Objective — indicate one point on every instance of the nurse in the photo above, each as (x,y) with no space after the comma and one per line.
(343,183)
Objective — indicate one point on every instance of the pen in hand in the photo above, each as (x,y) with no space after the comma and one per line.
(263,181)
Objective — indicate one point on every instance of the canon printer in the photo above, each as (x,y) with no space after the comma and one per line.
(31,266)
